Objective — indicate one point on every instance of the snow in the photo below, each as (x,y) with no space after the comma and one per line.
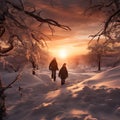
(109,78)
(85,96)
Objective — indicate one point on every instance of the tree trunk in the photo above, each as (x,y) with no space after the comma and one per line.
(2,102)
(99,62)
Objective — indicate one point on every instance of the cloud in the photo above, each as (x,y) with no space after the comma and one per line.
(70,13)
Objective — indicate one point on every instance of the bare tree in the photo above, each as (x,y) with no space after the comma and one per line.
(97,50)
(109,34)
(111,28)
(20,25)
(19,22)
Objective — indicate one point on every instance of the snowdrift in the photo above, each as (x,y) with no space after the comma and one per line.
(43,99)
(109,78)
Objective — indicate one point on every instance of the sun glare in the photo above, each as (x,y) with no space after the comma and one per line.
(62,53)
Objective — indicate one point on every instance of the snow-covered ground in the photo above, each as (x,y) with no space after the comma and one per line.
(85,96)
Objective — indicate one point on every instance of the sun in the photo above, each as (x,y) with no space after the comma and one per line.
(62,53)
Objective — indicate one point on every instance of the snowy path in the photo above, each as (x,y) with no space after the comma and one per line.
(39,91)
(73,78)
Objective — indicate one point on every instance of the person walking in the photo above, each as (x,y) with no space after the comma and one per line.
(53,66)
(63,73)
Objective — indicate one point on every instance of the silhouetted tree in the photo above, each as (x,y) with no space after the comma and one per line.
(20,25)
(110,31)
(98,50)
(111,28)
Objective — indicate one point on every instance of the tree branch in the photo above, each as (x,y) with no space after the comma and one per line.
(110,19)
(39,18)
(9,85)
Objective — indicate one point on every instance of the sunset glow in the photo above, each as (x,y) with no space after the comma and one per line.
(67,51)
(62,53)
(68,44)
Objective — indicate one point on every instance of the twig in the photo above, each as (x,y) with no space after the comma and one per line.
(9,85)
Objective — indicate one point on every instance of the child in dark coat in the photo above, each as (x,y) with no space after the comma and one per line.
(63,73)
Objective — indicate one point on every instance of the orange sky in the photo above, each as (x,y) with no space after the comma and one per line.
(70,13)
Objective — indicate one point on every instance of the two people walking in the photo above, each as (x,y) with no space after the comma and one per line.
(63,73)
